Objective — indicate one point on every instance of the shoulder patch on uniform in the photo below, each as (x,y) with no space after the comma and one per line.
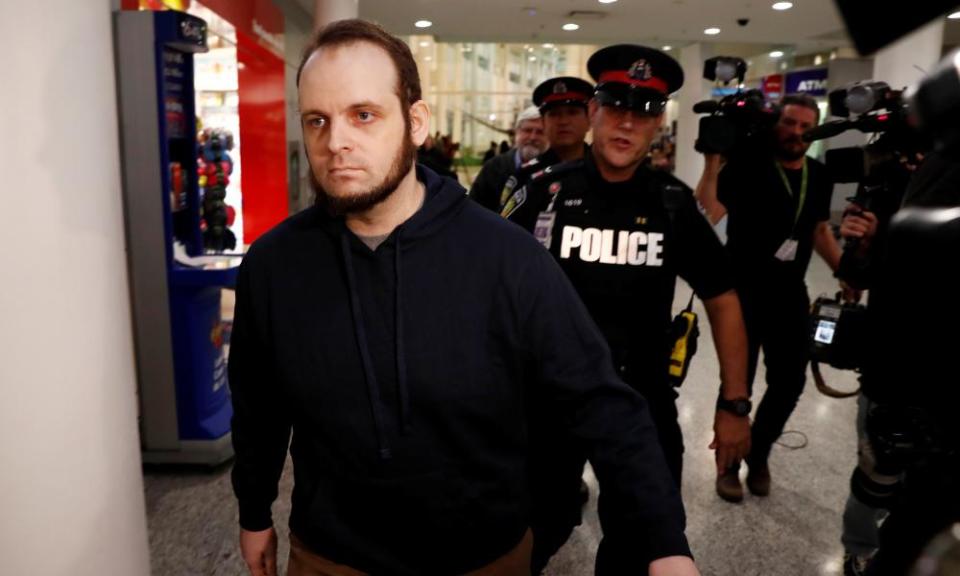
(514,202)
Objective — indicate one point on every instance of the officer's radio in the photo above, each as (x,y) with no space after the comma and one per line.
(685,331)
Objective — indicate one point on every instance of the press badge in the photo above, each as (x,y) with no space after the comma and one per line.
(543,231)
(788,252)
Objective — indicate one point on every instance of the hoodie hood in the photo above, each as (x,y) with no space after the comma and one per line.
(444,199)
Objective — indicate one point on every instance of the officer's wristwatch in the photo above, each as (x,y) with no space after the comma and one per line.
(737,406)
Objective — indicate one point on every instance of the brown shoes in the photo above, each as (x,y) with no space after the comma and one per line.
(729,487)
(758,480)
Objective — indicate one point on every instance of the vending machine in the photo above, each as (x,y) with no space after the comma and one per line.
(175,283)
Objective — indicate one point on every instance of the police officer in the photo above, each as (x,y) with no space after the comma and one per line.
(562,103)
(623,233)
(530,143)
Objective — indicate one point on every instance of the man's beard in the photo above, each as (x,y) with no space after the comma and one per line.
(786,152)
(363,201)
(529,152)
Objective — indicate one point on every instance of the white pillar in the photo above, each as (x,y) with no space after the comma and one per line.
(327,11)
(71,484)
(695,88)
(905,62)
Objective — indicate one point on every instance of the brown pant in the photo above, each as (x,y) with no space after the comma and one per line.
(303,562)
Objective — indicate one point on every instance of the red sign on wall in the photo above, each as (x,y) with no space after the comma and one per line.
(772,86)
(262,108)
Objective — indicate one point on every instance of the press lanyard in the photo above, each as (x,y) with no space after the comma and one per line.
(803,190)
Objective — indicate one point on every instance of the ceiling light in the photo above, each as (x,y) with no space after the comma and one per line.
(607,1)
(954,16)
(423,23)
(570,26)
(783,6)
(492,117)
(711,31)
(547,45)
(429,58)
(667,48)
(533,58)
(424,43)
(817,60)
(776,54)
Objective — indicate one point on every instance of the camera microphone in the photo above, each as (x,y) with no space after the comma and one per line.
(828,130)
(705,107)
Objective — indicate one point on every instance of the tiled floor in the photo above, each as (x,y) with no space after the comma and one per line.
(795,531)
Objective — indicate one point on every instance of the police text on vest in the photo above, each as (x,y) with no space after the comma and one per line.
(612,246)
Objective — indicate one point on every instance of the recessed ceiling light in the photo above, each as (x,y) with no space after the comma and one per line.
(423,23)
(776,54)
(570,26)
(429,58)
(533,58)
(424,43)
(783,6)
(667,48)
(711,31)
(607,1)
(954,16)
(548,45)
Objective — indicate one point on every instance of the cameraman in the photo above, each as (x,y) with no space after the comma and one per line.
(864,228)
(778,207)
(913,383)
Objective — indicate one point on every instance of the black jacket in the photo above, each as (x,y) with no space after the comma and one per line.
(493,176)
(405,374)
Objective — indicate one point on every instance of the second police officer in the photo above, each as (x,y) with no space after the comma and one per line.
(623,232)
(562,103)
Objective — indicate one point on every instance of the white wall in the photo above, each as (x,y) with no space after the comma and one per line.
(71,489)
(905,62)
(695,89)
(327,11)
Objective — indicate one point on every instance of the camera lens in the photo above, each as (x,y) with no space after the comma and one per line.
(860,99)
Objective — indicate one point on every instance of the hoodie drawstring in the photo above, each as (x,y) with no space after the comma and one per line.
(400,351)
(369,376)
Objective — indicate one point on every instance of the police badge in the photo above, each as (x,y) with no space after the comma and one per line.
(640,70)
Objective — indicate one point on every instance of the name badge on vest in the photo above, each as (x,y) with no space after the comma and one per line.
(543,231)
(788,252)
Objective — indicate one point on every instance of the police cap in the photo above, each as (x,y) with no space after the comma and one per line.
(635,77)
(565,90)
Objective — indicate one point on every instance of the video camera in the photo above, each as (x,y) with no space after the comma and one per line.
(871,107)
(738,122)
(882,169)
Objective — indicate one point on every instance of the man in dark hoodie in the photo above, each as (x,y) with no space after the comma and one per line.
(400,331)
